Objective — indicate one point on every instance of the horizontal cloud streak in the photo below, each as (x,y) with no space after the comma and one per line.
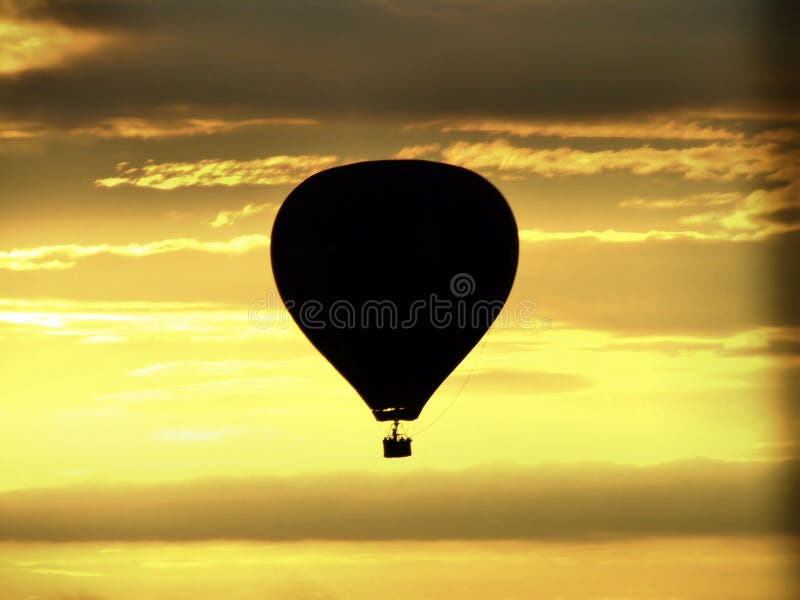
(134,127)
(669,127)
(721,162)
(64,256)
(612,235)
(146,128)
(594,501)
(703,200)
(272,170)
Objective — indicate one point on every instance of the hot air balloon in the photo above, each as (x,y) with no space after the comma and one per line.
(394,270)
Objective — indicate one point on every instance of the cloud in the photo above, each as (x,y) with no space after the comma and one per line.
(787,215)
(783,135)
(579,502)
(612,235)
(19,131)
(418,151)
(147,128)
(27,46)
(667,126)
(64,256)
(229,217)
(717,162)
(757,215)
(272,170)
(702,199)
(65,572)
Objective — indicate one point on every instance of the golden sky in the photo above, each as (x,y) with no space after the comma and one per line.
(628,429)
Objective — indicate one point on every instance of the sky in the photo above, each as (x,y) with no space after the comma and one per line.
(628,429)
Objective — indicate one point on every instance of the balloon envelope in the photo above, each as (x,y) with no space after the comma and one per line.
(394,270)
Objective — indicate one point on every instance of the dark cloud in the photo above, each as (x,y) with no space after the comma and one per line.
(590,501)
(785,271)
(443,57)
(105,14)
(784,216)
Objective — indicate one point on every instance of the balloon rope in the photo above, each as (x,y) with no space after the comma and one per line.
(460,389)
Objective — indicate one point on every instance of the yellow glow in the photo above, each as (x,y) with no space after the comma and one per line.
(183,390)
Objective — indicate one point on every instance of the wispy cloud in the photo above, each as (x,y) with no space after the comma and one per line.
(704,199)
(721,162)
(656,127)
(229,217)
(732,215)
(272,170)
(132,127)
(65,572)
(146,127)
(64,256)
(613,235)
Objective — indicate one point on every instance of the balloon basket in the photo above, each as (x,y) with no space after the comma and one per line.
(396,445)
(396,448)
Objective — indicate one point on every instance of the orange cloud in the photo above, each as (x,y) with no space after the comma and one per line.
(727,217)
(612,235)
(64,256)
(722,162)
(17,131)
(757,215)
(661,127)
(131,127)
(272,170)
(146,128)
(704,199)
(25,46)
(696,124)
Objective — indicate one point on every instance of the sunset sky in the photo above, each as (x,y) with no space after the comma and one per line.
(628,429)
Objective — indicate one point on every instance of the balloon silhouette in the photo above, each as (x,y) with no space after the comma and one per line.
(394,270)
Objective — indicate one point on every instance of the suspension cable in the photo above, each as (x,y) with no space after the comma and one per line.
(460,389)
